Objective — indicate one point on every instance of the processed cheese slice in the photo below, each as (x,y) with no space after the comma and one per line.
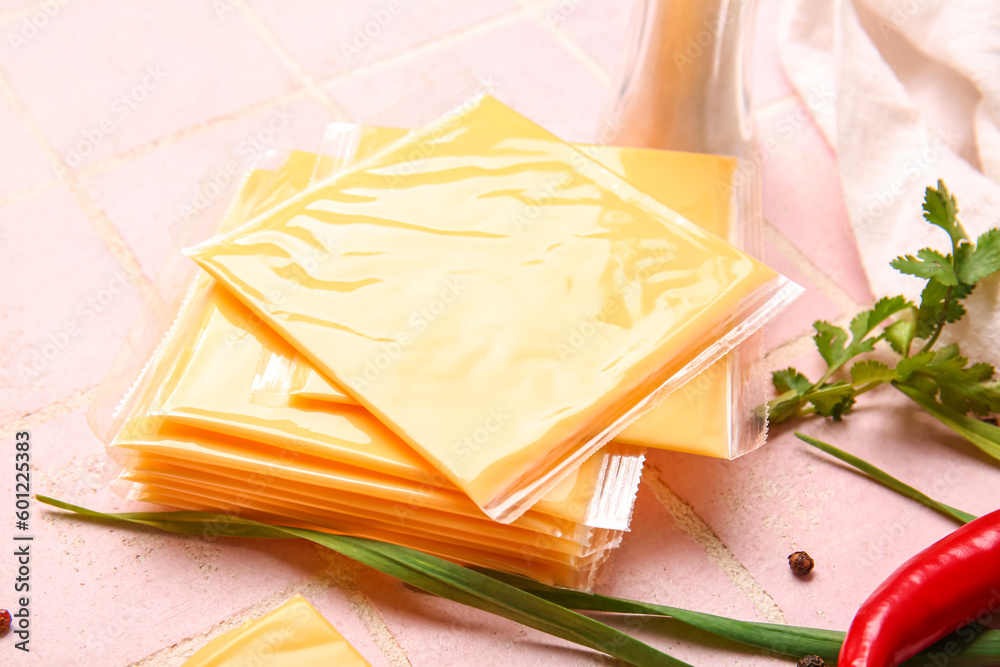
(698,417)
(500,301)
(293,634)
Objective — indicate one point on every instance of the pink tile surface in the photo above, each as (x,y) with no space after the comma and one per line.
(798,318)
(9,5)
(172,194)
(787,496)
(111,596)
(24,163)
(769,80)
(809,209)
(71,307)
(357,33)
(523,63)
(600,26)
(106,75)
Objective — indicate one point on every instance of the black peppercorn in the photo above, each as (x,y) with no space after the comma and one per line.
(811,661)
(801,563)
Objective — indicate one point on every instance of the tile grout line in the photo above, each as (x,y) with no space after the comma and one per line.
(844,302)
(697,529)
(110,162)
(28,192)
(569,44)
(781,355)
(59,408)
(432,45)
(11,15)
(293,66)
(102,225)
(118,159)
(312,585)
(344,574)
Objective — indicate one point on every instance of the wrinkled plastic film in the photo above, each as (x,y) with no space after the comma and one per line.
(149,462)
(557,418)
(580,574)
(186,454)
(718,412)
(228,355)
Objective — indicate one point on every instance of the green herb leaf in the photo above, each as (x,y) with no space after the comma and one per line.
(789,640)
(940,209)
(899,334)
(831,341)
(866,321)
(423,571)
(791,380)
(865,372)
(927,264)
(784,407)
(531,603)
(943,373)
(980,261)
(984,436)
(833,399)
(888,480)
(939,304)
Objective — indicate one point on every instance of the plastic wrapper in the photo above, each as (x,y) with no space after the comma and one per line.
(717,412)
(576,573)
(293,634)
(553,541)
(503,303)
(185,454)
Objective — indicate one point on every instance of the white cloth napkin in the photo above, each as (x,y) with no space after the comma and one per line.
(907,92)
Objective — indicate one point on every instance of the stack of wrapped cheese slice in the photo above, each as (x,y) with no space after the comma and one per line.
(433,338)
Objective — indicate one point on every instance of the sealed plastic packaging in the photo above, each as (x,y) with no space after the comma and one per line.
(601,492)
(506,314)
(717,412)
(293,634)
(575,573)
(183,453)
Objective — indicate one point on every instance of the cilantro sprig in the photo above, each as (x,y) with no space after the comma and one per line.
(940,376)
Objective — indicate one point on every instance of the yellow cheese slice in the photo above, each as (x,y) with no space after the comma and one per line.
(293,634)
(497,299)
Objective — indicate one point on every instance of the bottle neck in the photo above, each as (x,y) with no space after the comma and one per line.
(683,81)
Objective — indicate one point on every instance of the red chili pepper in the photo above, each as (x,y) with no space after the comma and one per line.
(931,595)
